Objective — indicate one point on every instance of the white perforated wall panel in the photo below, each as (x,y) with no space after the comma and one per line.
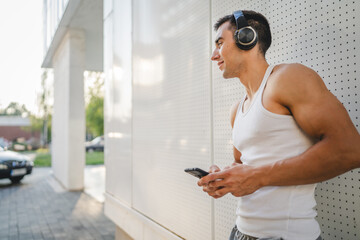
(171,113)
(322,35)
(118,99)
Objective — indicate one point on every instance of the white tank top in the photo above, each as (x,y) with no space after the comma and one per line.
(264,137)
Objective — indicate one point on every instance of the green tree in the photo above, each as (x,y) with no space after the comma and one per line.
(95,105)
(95,116)
(19,110)
(15,109)
(44,106)
(37,125)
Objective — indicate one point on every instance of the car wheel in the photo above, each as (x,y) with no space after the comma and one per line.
(16,179)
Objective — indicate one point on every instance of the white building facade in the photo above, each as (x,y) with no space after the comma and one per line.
(167,106)
(73,43)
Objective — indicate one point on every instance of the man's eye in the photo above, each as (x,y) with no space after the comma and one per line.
(219,44)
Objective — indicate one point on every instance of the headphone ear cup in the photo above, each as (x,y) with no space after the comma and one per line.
(245,38)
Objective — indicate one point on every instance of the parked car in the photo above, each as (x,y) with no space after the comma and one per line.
(97,144)
(14,165)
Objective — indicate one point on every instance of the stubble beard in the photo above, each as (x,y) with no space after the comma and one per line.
(231,73)
(228,74)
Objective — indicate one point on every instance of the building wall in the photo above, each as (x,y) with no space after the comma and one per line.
(73,43)
(167,108)
(12,127)
(52,12)
(13,132)
(118,100)
(68,122)
(171,113)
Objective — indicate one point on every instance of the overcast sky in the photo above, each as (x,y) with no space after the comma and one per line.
(20,52)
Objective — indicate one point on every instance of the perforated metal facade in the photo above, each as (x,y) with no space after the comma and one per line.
(322,35)
(180,107)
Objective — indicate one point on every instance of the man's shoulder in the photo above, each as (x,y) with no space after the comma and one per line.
(294,76)
(295,80)
(292,70)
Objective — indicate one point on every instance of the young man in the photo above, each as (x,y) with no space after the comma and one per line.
(289,132)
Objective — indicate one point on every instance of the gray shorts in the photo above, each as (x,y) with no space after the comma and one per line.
(237,235)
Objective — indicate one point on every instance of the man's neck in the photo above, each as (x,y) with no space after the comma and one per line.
(252,76)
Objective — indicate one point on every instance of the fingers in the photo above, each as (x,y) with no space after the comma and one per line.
(211,177)
(209,189)
(219,193)
(214,185)
(214,168)
(215,192)
(234,164)
(218,183)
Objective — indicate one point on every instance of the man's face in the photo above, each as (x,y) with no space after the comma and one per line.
(226,53)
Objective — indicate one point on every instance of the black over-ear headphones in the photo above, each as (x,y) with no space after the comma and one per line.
(245,36)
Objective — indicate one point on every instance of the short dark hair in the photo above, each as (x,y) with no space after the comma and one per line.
(256,21)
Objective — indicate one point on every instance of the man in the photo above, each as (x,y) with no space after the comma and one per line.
(289,132)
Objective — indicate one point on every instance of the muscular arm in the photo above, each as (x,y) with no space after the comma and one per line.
(319,114)
(322,116)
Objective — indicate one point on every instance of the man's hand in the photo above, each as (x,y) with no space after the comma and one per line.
(237,179)
(206,188)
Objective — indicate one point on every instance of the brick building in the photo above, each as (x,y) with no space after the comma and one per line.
(12,127)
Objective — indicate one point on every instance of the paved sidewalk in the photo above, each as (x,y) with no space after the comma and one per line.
(94,181)
(39,208)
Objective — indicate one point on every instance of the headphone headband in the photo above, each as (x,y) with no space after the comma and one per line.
(240,19)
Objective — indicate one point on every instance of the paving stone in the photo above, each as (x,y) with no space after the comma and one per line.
(32,210)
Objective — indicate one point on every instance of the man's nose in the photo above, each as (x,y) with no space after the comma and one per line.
(215,55)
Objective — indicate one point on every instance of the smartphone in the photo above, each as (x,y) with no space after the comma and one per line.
(196,172)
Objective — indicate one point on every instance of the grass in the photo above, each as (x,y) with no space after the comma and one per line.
(94,158)
(43,158)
